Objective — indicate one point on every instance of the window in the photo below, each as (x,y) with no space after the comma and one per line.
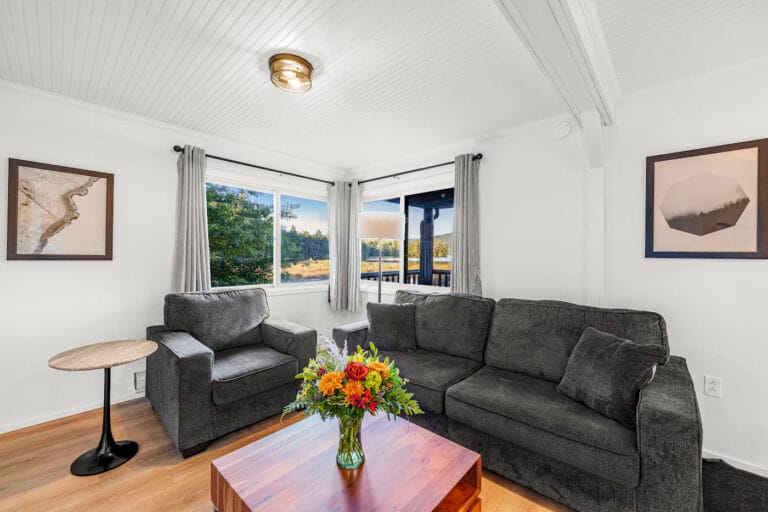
(390,249)
(429,231)
(242,235)
(429,235)
(304,240)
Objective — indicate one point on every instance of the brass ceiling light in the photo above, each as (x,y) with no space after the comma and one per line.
(290,72)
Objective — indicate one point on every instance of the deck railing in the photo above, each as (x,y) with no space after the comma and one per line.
(439,277)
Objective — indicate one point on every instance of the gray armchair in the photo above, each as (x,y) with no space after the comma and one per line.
(222,365)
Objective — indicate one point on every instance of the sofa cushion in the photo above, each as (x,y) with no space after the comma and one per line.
(529,412)
(430,374)
(219,320)
(606,373)
(245,371)
(392,326)
(452,323)
(537,337)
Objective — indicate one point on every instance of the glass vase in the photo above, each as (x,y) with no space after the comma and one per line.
(350,454)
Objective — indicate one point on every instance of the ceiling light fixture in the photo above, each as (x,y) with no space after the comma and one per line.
(290,72)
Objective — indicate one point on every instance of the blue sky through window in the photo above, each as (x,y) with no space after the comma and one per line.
(311,215)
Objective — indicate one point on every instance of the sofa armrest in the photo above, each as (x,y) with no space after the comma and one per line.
(355,334)
(290,338)
(179,376)
(669,438)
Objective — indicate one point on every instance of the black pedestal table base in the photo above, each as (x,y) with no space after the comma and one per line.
(109,454)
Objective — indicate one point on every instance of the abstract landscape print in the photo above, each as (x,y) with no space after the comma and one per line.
(57,212)
(708,203)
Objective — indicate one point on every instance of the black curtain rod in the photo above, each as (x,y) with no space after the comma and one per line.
(180,149)
(478,156)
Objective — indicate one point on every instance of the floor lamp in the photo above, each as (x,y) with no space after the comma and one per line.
(381,226)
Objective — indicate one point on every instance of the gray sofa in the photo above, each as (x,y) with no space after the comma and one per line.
(222,364)
(486,374)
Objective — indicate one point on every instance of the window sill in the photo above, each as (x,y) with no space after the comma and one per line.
(287,289)
(389,289)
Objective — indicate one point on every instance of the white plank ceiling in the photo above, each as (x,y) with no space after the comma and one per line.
(657,41)
(393,77)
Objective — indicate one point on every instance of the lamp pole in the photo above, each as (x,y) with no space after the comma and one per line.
(380,276)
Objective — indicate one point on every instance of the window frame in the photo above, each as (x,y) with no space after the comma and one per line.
(266,186)
(401,190)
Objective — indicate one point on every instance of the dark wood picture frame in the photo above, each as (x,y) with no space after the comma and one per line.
(13,205)
(762,201)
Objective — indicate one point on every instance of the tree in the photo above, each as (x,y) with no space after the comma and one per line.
(240,229)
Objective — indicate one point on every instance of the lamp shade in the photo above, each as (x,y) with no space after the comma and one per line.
(387,225)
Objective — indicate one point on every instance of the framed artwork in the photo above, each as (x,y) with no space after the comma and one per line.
(58,213)
(708,203)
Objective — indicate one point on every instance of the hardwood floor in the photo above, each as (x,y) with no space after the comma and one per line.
(34,468)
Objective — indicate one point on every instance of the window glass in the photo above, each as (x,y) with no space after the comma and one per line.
(304,240)
(240,233)
(390,253)
(429,231)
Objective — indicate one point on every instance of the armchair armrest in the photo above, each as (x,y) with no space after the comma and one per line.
(179,376)
(669,440)
(355,334)
(290,338)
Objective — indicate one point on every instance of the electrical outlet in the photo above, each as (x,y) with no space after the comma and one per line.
(139,380)
(713,386)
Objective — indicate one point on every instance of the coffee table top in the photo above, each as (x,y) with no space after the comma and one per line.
(406,468)
(102,355)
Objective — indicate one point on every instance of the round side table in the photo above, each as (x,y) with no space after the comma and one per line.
(109,453)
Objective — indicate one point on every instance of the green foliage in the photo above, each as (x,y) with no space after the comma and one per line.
(240,230)
(389,393)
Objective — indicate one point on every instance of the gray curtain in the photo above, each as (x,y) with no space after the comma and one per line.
(191,260)
(344,202)
(465,273)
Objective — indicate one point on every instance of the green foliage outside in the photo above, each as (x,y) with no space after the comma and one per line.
(239,236)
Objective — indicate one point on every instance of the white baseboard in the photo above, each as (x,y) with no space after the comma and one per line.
(740,464)
(28,422)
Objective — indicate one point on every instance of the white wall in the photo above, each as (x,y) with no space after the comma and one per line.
(531,212)
(50,306)
(715,309)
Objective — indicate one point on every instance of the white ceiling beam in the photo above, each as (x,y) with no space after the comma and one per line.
(567,41)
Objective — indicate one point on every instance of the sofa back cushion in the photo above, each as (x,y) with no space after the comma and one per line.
(454,324)
(220,320)
(537,337)
(391,326)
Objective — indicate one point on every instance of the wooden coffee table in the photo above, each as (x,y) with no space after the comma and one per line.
(406,468)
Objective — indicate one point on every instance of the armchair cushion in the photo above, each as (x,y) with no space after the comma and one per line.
(392,326)
(220,320)
(529,412)
(606,372)
(244,371)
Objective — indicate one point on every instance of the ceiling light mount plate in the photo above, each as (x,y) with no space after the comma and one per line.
(290,72)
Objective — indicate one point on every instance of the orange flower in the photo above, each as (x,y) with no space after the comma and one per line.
(379,367)
(353,387)
(330,383)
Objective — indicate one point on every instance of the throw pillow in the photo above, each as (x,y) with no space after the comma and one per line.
(606,373)
(392,326)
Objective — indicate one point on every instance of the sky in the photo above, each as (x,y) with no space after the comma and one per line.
(311,215)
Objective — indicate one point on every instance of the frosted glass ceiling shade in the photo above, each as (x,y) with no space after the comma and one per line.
(386,225)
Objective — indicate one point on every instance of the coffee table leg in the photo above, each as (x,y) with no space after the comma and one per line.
(110,453)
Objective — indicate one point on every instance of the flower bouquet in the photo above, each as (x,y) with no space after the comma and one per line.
(337,385)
